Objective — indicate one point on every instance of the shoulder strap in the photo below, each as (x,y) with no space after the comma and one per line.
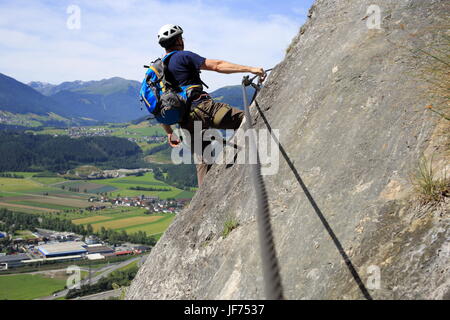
(168,55)
(168,78)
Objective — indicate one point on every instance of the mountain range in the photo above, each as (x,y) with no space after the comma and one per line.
(109,100)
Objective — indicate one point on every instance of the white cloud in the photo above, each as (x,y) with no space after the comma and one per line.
(117,37)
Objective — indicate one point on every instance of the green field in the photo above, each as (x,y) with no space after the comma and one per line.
(48,180)
(110,212)
(28,286)
(24,234)
(11,185)
(45,194)
(154,228)
(43,205)
(123,186)
(131,221)
(129,266)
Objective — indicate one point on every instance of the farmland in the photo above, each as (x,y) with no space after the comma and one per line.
(32,286)
(122,187)
(42,194)
(68,199)
(29,286)
(37,195)
(131,221)
(48,193)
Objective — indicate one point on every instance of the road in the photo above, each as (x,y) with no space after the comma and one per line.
(102,295)
(106,271)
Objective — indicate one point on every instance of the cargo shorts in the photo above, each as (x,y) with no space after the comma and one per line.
(212,114)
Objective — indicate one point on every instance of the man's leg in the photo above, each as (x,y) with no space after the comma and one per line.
(219,115)
(212,115)
(201,167)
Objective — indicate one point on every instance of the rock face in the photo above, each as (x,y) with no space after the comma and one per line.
(352,121)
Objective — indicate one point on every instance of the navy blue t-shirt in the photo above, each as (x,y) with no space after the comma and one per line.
(184,67)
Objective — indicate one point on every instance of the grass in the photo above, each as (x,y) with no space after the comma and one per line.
(48,180)
(124,215)
(229,225)
(132,221)
(136,131)
(30,196)
(28,286)
(108,213)
(43,205)
(90,220)
(123,223)
(24,234)
(11,185)
(428,187)
(23,210)
(24,174)
(123,186)
(433,63)
(153,228)
(129,266)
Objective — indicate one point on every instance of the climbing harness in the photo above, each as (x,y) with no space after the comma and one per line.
(271,271)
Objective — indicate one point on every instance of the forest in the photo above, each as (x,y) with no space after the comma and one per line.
(183,176)
(27,152)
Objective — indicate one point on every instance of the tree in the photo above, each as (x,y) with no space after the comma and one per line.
(89,229)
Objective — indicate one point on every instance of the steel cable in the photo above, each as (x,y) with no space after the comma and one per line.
(271,271)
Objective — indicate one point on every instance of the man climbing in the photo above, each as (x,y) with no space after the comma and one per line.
(184,69)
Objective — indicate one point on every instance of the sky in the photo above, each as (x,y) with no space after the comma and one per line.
(65,40)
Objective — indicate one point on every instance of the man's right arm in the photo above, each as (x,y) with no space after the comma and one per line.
(228,67)
(169,131)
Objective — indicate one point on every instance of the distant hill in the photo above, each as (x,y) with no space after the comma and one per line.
(232,95)
(43,87)
(109,100)
(17,97)
(112,100)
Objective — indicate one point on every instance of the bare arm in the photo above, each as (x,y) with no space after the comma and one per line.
(169,131)
(228,67)
(167,128)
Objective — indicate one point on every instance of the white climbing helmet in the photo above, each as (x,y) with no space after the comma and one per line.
(168,31)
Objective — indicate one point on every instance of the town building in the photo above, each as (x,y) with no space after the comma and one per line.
(63,249)
(12,261)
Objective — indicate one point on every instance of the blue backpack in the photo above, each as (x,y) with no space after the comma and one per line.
(168,103)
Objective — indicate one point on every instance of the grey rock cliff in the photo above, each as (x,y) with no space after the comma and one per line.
(352,121)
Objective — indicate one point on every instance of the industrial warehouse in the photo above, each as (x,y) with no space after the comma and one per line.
(62,249)
(66,251)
